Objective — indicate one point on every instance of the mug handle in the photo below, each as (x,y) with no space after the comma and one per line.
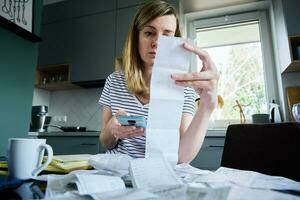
(48,161)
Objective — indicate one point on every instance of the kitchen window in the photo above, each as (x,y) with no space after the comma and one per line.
(240,47)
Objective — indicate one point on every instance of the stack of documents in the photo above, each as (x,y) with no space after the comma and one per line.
(59,164)
(3,167)
(68,163)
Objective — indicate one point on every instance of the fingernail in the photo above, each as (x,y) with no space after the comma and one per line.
(174,76)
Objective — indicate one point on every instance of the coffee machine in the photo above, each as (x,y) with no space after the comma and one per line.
(39,119)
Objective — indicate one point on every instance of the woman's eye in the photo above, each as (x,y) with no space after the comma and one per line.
(168,34)
(148,33)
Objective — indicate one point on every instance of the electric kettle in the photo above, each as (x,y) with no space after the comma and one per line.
(296,112)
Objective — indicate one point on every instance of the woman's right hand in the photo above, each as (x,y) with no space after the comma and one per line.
(120,132)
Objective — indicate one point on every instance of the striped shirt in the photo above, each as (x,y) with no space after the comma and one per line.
(115,95)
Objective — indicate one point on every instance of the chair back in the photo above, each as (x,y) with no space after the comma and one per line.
(272,149)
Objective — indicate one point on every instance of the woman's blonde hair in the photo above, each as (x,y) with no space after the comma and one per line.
(132,62)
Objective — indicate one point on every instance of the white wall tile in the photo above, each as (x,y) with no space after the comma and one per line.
(40,97)
(80,106)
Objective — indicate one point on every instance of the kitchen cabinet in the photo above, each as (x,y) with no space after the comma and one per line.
(63,145)
(54,77)
(294,47)
(80,8)
(54,12)
(129,3)
(87,36)
(291,14)
(133,3)
(54,49)
(210,154)
(287,34)
(93,49)
(124,17)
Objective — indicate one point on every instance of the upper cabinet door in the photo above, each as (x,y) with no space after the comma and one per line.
(54,48)
(93,47)
(129,3)
(54,12)
(124,17)
(291,13)
(79,8)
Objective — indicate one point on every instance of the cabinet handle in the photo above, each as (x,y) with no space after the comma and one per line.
(216,146)
(88,144)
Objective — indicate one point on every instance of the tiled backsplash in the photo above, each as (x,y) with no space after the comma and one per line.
(80,106)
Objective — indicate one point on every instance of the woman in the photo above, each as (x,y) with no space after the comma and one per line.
(127,91)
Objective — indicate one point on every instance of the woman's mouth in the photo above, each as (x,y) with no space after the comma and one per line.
(153,53)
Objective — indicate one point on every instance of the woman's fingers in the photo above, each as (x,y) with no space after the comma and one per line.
(203,55)
(208,64)
(195,76)
(127,131)
(121,112)
(130,132)
(119,131)
(197,84)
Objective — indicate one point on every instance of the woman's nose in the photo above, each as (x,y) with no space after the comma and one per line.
(154,44)
(154,41)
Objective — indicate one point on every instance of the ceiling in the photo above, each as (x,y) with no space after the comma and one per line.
(199,5)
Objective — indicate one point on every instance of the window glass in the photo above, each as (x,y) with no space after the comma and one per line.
(236,51)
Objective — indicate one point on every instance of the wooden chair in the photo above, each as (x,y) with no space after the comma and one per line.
(272,149)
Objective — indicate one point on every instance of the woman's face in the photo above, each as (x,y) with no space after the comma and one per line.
(164,25)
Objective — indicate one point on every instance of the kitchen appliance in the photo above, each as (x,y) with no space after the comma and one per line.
(275,116)
(296,112)
(69,128)
(39,119)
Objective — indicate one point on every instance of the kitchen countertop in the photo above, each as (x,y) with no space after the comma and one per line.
(60,133)
(210,133)
(216,133)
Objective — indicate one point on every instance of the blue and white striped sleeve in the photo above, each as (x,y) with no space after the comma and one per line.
(189,105)
(105,98)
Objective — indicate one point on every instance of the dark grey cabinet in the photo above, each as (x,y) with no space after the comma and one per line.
(291,12)
(54,12)
(129,3)
(124,17)
(210,154)
(54,49)
(132,3)
(88,35)
(63,145)
(93,47)
(80,8)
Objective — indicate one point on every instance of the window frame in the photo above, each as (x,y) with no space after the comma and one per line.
(271,86)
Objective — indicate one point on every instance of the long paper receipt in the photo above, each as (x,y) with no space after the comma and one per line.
(166,99)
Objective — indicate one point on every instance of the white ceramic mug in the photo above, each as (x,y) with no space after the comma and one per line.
(25,157)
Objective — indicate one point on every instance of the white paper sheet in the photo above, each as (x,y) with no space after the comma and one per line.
(111,164)
(166,99)
(188,173)
(152,172)
(244,193)
(253,179)
(81,182)
(94,183)
(207,193)
(125,194)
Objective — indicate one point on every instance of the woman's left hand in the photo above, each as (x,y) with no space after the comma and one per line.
(204,82)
